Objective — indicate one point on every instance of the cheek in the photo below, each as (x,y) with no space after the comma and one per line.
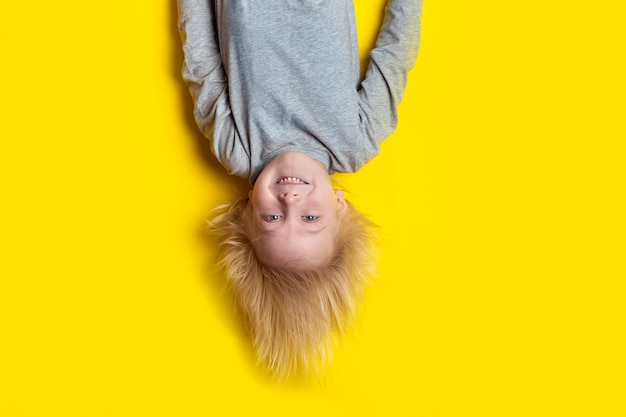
(259,200)
(330,203)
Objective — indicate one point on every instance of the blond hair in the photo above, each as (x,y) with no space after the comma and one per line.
(294,316)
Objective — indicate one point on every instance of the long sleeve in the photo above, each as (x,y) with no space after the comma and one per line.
(204,73)
(274,76)
(385,80)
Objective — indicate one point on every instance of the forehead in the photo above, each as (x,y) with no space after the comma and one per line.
(285,246)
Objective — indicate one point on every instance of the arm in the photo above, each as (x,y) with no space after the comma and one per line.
(386,77)
(204,74)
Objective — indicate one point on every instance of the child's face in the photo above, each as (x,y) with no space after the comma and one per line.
(295,213)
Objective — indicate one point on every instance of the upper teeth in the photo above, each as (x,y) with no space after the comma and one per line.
(291,180)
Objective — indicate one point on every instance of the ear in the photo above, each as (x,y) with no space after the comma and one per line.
(341,201)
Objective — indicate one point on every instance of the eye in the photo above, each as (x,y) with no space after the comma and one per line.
(272,218)
(310,219)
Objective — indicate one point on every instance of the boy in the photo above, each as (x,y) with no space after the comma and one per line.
(276,86)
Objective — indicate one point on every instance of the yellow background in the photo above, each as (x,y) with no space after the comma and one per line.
(500,197)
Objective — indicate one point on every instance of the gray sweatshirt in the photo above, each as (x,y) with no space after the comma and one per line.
(271,76)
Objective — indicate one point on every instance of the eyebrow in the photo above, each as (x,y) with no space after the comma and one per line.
(273,228)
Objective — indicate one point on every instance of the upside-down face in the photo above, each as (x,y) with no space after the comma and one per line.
(295,213)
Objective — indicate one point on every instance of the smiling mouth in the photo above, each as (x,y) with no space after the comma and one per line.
(291,181)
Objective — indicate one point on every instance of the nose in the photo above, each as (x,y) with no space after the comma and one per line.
(289,197)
